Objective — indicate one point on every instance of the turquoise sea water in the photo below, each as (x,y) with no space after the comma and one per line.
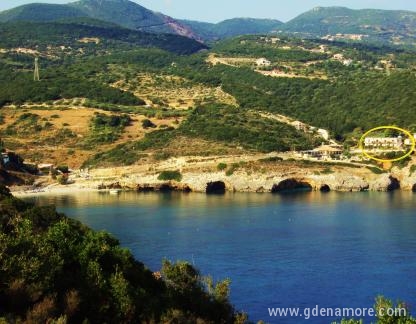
(297,250)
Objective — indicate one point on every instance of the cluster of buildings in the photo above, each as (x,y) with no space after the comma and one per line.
(392,143)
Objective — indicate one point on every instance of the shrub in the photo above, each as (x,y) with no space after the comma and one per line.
(62,179)
(147,123)
(170,175)
(221,166)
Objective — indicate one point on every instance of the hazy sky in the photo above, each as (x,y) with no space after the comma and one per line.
(217,10)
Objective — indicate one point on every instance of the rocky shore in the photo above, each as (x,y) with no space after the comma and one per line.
(341,180)
(253,174)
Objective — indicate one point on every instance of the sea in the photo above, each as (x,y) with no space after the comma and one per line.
(305,251)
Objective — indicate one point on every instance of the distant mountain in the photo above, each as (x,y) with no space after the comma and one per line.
(387,26)
(233,27)
(124,13)
(131,15)
(383,25)
(40,12)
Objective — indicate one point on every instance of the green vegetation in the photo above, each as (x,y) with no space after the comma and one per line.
(147,123)
(273,159)
(170,175)
(239,127)
(19,87)
(40,12)
(222,166)
(125,13)
(122,155)
(106,128)
(249,46)
(52,267)
(63,33)
(131,152)
(336,106)
(26,123)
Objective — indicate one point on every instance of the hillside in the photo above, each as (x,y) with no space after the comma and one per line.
(40,12)
(124,13)
(391,26)
(331,23)
(131,15)
(110,96)
(233,27)
(80,32)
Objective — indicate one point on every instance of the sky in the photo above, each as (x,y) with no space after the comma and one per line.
(218,10)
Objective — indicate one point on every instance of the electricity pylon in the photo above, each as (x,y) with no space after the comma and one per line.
(36,76)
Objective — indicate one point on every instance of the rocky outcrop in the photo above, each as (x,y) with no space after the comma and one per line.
(348,180)
(385,183)
(292,185)
(340,182)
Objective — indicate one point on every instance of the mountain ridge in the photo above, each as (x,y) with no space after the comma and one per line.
(388,26)
(393,26)
(233,27)
(124,13)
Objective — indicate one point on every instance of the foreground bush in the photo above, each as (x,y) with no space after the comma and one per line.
(54,269)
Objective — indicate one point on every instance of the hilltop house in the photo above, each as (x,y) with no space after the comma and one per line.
(263,62)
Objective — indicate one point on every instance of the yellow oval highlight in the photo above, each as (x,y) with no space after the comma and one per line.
(412,148)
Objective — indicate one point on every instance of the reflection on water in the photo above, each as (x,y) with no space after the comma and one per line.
(297,250)
(372,200)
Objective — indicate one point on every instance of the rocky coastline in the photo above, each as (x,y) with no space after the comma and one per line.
(218,182)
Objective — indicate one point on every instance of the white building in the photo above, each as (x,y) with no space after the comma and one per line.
(300,126)
(263,62)
(324,133)
(384,142)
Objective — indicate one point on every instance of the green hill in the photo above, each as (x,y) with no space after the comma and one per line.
(41,12)
(124,13)
(69,33)
(382,25)
(233,27)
